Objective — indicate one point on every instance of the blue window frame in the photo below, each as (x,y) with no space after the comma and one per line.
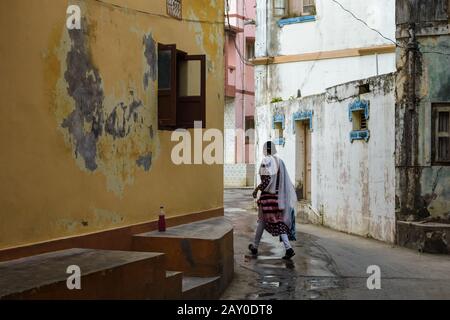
(279,120)
(363,108)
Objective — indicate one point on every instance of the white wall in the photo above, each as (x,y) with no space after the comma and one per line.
(334,29)
(352,183)
(230,131)
(314,77)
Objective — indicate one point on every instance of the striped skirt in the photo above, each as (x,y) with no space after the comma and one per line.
(272,216)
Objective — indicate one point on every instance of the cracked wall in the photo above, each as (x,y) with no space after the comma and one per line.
(422,186)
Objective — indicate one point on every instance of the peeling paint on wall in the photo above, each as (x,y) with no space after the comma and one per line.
(84,85)
(206,33)
(109,134)
(150,54)
(123,117)
(145,162)
(62,161)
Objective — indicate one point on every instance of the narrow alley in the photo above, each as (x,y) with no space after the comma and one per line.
(328,264)
(136,134)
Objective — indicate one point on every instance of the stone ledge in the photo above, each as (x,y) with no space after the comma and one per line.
(424,237)
(104,275)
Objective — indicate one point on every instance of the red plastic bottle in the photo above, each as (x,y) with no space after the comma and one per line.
(162,220)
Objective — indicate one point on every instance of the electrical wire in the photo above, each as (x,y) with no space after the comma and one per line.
(241,56)
(381,34)
(364,23)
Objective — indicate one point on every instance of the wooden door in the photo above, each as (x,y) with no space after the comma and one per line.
(308,164)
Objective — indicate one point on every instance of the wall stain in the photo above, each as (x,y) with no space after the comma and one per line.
(121,120)
(109,134)
(145,162)
(150,54)
(85,87)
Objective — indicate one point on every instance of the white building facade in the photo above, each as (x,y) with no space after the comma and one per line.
(325,94)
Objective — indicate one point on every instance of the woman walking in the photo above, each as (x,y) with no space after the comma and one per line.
(277,202)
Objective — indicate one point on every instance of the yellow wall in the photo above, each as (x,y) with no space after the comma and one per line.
(47,189)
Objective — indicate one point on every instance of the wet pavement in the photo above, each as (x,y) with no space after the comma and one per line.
(327,265)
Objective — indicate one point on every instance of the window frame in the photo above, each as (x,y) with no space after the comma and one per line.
(250,140)
(314,4)
(279,135)
(168,120)
(250,42)
(358,119)
(200,100)
(435,135)
(176,117)
(288,8)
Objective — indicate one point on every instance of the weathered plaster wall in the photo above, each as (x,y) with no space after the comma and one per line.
(435,180)
(80,147)
(353,184)
(422,188)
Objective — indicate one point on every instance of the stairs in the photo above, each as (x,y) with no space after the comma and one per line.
(202,254)
(174,285)
(201,250)
(196,288)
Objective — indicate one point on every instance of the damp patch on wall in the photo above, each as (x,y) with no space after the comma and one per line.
(109,132)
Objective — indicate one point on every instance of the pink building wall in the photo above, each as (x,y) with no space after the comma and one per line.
(240,82)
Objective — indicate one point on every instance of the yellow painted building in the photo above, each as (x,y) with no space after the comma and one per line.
(81,149)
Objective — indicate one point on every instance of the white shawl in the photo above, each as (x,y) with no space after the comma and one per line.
(287,197)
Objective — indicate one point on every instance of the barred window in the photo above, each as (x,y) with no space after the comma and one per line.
(441,134)
(174,9)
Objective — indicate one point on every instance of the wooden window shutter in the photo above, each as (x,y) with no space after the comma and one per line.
(167,86)
(191,91)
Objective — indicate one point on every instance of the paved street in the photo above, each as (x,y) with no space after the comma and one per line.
(328,264)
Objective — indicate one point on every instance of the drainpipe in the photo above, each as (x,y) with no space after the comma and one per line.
(412,49)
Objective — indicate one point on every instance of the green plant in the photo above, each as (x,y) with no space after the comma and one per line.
(276,100)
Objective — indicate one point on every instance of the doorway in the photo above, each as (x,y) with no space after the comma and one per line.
(303,165)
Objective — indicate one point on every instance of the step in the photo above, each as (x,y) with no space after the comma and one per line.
(104,275)
(174,285)
(196,288)
(199,249)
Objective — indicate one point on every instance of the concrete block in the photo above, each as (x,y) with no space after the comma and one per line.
(104,275)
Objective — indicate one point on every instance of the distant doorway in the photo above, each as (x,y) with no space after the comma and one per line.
(303,165)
